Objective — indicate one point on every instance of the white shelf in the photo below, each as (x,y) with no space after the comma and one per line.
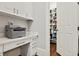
(18,16)
(4,40)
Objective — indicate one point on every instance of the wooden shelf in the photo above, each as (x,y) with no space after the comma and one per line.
(12,15)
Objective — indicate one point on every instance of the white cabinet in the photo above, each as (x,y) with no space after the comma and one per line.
(26,46)
(32,47)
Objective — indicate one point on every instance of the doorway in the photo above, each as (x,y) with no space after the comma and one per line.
(63,29)
(53,28)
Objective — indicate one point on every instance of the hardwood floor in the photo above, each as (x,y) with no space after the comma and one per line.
(53,50)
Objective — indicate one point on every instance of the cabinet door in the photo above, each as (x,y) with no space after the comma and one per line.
(67,35)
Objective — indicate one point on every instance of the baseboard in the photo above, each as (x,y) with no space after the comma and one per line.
(42,52)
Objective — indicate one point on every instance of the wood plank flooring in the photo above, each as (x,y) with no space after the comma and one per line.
(53,50)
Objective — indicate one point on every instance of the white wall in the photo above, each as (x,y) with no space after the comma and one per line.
(53,5)
(41,25)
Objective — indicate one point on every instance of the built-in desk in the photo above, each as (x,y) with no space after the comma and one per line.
(9,44)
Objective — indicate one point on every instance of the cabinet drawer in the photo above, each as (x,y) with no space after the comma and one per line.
(13,45)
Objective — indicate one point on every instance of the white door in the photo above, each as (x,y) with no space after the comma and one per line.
(67,35)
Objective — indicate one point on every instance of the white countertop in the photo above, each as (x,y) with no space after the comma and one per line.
(4,40)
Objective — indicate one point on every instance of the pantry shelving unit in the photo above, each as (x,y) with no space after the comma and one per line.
(53,25)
